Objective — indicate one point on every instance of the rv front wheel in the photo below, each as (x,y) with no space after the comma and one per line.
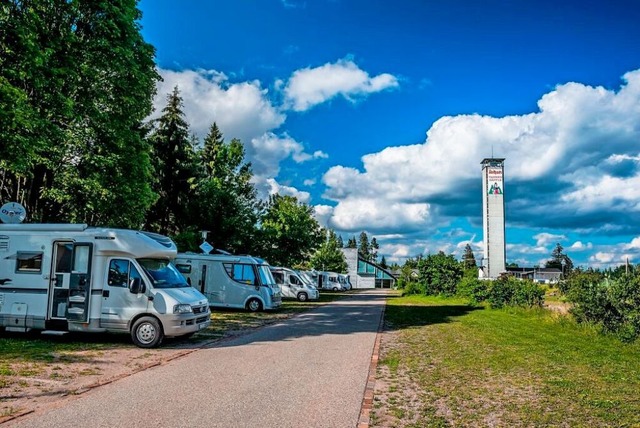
(254,305)
(147,332)
(302,297)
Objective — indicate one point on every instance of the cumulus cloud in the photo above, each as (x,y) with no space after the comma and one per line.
(543,239)
(277,188)
(573,164)
(241,110)
(312,86)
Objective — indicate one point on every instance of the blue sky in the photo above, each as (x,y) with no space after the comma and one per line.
(379,113)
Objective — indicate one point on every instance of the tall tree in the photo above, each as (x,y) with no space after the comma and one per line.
(175,167)
(364,248)
(76,80)
(373,250)
(340,242)
(329,256)
(290,232)
(352,243)
(225,201)
(560,260)
(468,259)
(383,263)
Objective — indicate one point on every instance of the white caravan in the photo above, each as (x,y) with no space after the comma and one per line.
(72,277)
(344,281)
(229,281)
(329,281)
(293,285)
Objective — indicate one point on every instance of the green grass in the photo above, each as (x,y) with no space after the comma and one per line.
(475,366)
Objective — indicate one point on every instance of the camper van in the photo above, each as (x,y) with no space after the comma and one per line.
(329,281)
(293,285)
(72,277)
(228,281)
(345,281)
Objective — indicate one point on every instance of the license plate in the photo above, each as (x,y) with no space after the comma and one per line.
(201,326)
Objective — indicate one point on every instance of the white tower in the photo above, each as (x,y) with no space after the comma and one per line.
(494,260)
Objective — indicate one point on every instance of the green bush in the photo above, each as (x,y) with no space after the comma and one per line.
(473,289)
(509,291)
(612,305)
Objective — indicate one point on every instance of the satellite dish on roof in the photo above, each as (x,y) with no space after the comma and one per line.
(12,212)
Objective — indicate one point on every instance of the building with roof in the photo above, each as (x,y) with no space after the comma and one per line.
(366,274)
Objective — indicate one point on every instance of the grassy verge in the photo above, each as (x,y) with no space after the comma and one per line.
(449,364)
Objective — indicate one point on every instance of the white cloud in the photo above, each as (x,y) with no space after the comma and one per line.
(563,167)
(241,110)
(602,257)
(311,86)
(543,239)
(579,246)
(276,188)
(309,182)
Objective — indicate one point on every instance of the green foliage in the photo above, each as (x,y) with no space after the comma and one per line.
(76,80)
(225,201)
(509,291)
(468,259)
(364,248)
(472,288)
(560,260)
(175,167)
(611,304)
(439,274)
(329,256)
(289,231)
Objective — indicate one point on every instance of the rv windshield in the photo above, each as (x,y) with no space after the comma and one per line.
(162,273)
(265,275)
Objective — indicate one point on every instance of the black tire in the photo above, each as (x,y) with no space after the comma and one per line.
(302,297)
(335,288)
(147,332)
(254,305)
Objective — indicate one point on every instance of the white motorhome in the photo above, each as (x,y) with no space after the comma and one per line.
(329,281)
(293,285)
(72,277)
(229,281)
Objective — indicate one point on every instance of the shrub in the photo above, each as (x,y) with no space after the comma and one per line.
(473,289)
(612,305)
(510,291)
(439,274)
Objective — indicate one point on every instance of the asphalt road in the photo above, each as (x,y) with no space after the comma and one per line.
(307,371)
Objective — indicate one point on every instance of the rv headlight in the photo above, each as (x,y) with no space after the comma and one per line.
(182,309)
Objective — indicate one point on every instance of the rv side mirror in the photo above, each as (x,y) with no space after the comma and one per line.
(137,286)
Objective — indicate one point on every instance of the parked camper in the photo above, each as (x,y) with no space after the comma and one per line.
(72,277)
(344,281)
(293,286)
(229,281)
(329,281)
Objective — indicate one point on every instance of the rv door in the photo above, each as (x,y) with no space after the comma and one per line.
(70,287)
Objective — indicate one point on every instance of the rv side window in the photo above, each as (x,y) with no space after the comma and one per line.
(184,268)
(121,272)
(63,257)
(241,273)
(28,262)
(279,277)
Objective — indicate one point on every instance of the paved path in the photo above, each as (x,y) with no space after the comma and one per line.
(307,371)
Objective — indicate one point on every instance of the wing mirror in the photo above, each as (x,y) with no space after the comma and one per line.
(136,286)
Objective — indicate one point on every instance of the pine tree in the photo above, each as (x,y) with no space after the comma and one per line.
(383,263)
(373,251)
(340,242)
(175,167)
(352,243)
(364,248)
(468,259)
